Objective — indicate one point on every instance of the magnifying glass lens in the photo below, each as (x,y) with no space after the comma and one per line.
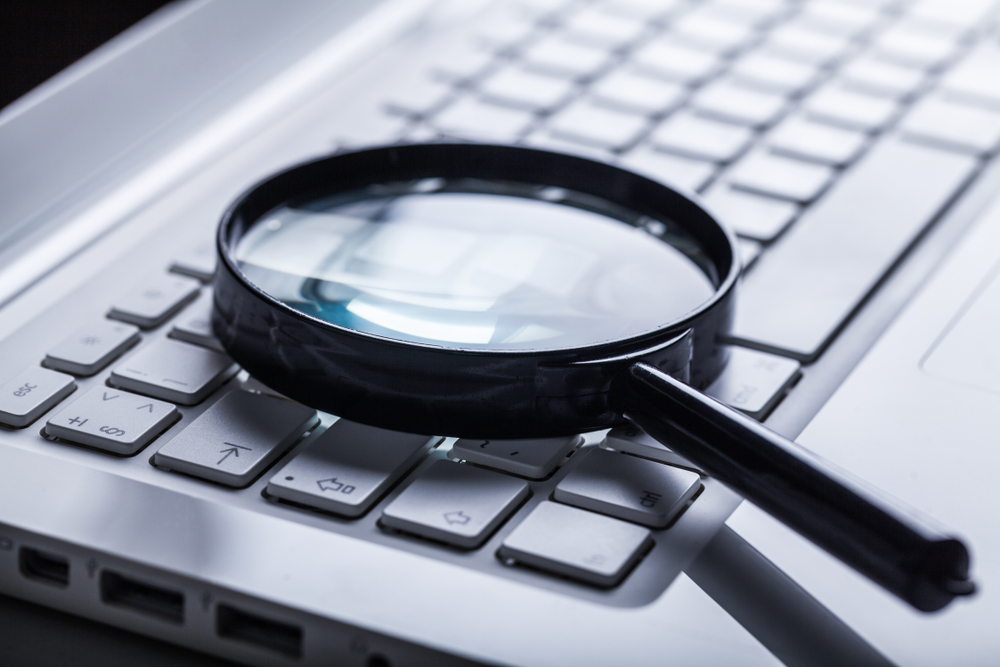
(473,264)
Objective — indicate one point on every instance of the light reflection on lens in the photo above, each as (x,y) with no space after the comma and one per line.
(475,265)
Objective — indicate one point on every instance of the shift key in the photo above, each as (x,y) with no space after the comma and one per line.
(810,282)
(235,439)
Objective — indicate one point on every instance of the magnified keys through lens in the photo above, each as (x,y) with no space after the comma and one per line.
(472,264)
(501,292)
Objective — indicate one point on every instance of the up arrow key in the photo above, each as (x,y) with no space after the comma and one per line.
(148,406)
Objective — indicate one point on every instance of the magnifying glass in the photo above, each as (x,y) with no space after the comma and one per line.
(501,292)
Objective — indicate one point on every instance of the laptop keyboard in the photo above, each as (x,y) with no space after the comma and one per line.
(804,127)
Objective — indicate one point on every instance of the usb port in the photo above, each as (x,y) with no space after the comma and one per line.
(42,566)
(264,632)
(122,591)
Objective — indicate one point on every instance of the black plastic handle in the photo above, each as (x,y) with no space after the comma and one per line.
(895,548)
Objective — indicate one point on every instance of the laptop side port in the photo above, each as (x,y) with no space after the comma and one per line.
(41,566)
(233,623)
(122,591)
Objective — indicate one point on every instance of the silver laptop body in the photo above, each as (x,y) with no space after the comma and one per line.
(850,144)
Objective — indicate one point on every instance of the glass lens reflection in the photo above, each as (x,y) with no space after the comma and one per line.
(474,265)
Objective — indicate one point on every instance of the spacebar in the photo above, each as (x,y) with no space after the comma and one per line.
(801,291)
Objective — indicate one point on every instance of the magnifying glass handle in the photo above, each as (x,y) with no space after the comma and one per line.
(891,545)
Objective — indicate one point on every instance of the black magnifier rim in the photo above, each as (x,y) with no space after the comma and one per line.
(261,332)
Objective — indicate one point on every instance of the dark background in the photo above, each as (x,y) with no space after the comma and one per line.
(38,38)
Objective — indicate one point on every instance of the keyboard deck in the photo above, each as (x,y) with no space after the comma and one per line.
(828,135)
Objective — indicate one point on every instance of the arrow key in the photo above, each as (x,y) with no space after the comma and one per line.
(461,505)
(235,439)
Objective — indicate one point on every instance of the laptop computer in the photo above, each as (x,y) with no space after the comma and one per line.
(850,145)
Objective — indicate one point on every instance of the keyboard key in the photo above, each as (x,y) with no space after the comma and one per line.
(195,325)
(526,90)
(112,420)
(628,488)
(690,135)
(676,63)
(629,91)
(754,13)
(957,127)
(805,46)
(761,218)
(235,439)
(800,138)
(854,110)
(877,77)
(798,294)
(645,10)
(958,15)
(373,129)
(33,392)
(709,33)
(839,19)
(574,543)
(559,57)
(92,348)
(174,371)
(198,264)
(473,119)
(776,176)
(906,46)
(417,96)
(534,459)
(462,62)
(674,170)
(454,503)
(771,73)
(155,302)
(975,78)
(596,26)
(753,381)
(733,103)
(348,468)
(632,440)
(588,123)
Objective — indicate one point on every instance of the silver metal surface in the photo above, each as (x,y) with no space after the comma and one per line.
(533,459)
(92,348)
(154,303)
(31,393)
(348,468)
(236,438)
(928,440)
(575,543)
(174,371)
(454,503)
(899,188)
(115,421)
(627,487)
